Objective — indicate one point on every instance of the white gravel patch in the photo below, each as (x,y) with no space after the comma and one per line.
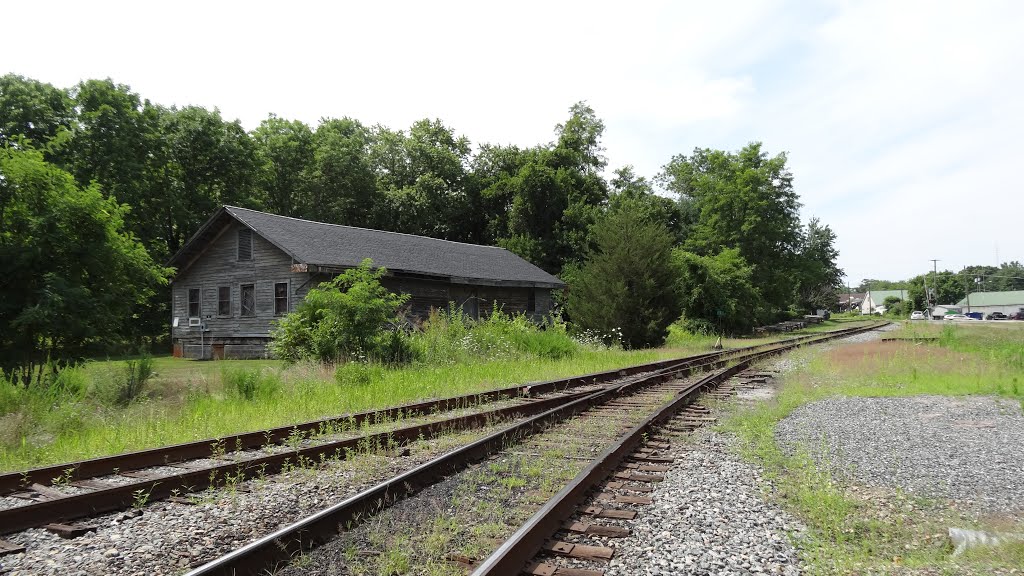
(969,450)
(709,517)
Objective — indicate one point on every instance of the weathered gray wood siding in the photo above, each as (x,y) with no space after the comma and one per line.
(427,294)
(219,266)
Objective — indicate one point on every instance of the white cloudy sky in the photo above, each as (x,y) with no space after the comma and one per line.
(902,120)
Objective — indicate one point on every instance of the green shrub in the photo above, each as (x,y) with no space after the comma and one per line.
(121,387)
(395,347)
(10,395)
(686,332)
(449,337)
(251,384)
(358,373)
(70,383)
(339,320)
(550,344)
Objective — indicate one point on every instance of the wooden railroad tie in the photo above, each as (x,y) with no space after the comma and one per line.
(639,477)
(623,498)
(648,467)
(602,512)
(541,569)
(597,529)
(616,485)
(69,530)
(580,550)
(10,548)
(652,459)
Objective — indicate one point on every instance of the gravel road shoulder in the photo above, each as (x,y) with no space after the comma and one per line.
(968,450)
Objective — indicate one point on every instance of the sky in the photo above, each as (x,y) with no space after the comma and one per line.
(901,120)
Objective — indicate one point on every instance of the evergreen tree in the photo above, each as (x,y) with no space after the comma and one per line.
(627,282)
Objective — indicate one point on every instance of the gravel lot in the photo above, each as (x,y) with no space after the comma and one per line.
(970,450)
(708,517)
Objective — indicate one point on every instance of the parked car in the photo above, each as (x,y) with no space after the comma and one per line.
(996,316)
(955,317)
(975,315)
(917,315)
(1017,316)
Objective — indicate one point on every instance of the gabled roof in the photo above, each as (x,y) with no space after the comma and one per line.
(1007,298)
(878,296)
(332,246)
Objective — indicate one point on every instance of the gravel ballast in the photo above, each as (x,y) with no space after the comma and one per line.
(964,449)
(709,517)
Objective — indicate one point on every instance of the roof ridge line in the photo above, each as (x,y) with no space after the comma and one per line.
(230,207)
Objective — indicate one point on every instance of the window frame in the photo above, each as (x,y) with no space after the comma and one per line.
(221,301)
(198,303)
(241,298)
(277,298)
(238,248)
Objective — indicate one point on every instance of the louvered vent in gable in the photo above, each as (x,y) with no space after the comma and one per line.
(244,244)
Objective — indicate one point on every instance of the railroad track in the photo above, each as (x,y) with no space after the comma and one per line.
(55,496)
(640,404)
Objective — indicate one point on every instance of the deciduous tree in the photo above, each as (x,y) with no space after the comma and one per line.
(73,277)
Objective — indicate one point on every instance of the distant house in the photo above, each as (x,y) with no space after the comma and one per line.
(874,300)
(850,301)
(1009,302)
(243,270)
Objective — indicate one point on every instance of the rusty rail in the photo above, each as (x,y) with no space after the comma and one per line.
(97,501)
(270,552)
(512,556)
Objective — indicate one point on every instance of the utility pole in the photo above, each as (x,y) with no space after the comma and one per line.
(933,297)
(967,290)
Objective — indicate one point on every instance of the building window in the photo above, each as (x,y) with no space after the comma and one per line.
(531,301)
(193,303)
(248,299)
(244,244)
(224,301)
(280,298)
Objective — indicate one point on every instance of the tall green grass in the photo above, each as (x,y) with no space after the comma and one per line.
(204,400)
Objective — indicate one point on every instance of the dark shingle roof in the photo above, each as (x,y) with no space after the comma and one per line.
(333,245)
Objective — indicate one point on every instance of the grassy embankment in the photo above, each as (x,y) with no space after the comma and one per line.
(87,412)
(861,531)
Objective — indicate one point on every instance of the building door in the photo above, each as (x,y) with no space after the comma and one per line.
(218,351)
(473,305)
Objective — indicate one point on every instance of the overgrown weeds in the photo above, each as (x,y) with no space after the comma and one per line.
(451,337)
(251,383)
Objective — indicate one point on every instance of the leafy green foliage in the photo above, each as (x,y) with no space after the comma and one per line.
(73,276)
(344,319)
(819,276)
(628,282)
(745,200)
(717,292)
(32,110)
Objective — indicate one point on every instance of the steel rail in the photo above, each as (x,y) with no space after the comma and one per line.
(271,551)
(210,447)
(97,501)
(197,449)
(524,545)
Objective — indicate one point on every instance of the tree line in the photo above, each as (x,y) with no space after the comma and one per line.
(146,175)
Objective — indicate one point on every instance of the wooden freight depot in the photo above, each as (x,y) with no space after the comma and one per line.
(245,269)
